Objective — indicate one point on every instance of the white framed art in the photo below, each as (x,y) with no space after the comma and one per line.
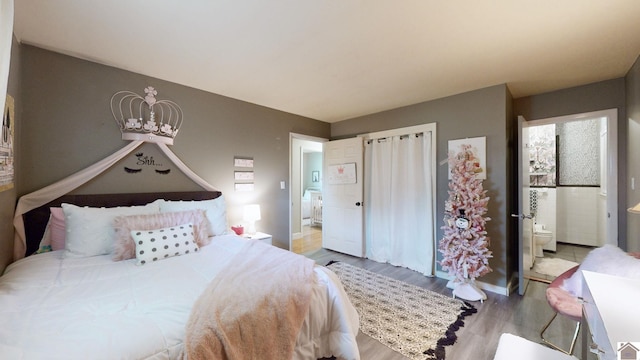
(479,149)
(342,174)
(243,175)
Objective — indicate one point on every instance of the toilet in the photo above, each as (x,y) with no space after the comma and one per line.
(541,237)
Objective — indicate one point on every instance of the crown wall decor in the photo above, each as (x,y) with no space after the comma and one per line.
(146,118)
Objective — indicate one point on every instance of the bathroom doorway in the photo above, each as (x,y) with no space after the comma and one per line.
(572,191)
(305,173)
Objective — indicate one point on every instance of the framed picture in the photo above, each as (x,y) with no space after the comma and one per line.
(243,175)
(244,186)
(479,149)
(6,145)
(243,162)
(342,174)
(315,176)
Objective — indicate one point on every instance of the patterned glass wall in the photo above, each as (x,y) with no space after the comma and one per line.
(579,152)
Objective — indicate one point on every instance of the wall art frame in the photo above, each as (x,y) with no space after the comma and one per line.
(7,154)
(479,149)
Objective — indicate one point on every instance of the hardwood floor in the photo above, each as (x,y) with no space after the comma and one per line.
(478,339)
(311,240)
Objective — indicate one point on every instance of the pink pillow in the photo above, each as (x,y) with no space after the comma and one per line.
(57,228)
(125,248)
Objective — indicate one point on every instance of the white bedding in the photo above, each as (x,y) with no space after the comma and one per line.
(94,308)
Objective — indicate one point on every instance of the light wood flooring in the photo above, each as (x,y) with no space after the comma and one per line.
(478,339)
(311,240)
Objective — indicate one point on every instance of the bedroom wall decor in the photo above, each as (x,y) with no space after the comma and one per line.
(142,160)
(243,162)
(315,176)
(169,112)
(244,187)
(243,175)
(6,145)
(136,116)
(478,146)
(342,174)
(243,178)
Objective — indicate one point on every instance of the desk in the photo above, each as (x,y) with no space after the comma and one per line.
(611,313)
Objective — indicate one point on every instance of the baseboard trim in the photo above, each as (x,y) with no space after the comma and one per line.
(500,290)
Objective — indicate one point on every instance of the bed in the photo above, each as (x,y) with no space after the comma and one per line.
(71,303)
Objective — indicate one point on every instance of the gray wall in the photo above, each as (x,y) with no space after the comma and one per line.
(8,197)
(67,126)
(483,112)
(602,95)
(632,87)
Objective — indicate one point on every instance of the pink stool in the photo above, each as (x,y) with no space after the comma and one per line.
(563,303)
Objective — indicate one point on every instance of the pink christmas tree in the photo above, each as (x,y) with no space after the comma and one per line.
(464,246)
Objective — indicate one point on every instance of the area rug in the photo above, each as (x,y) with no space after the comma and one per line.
(413,321)
(552,266)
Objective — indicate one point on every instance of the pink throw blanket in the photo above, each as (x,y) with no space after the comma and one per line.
(254,308)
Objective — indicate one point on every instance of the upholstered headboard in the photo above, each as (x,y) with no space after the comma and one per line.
(36,220)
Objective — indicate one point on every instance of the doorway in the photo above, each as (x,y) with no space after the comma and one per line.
(570,197)
(305,179)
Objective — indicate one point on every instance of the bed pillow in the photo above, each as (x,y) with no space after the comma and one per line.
(158,244)
(54,232)
(608,259)
(215,211)
(125,248)
(89,230)
(57,227)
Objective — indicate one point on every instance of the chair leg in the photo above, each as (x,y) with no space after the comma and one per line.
(573,340)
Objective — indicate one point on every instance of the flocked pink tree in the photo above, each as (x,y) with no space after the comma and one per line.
(464,246)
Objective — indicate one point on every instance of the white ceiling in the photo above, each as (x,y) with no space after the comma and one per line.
(334,60)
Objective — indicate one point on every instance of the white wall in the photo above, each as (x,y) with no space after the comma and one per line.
(577,216)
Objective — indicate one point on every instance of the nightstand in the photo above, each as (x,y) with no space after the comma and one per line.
(265,238)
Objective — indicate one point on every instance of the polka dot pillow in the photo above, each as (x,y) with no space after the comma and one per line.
(154,245)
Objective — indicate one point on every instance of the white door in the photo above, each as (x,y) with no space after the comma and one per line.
(342,195)
(525,222)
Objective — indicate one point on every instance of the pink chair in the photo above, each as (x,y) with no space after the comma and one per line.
(562,302)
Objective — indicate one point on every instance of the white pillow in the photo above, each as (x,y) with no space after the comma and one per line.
(154,245)
(215,211)
(90,230)
(608,259)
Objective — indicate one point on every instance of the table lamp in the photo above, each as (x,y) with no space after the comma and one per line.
(251,214)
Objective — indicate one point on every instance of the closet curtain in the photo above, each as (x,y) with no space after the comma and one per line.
(398,202)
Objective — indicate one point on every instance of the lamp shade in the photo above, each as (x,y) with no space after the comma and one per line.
(251,212)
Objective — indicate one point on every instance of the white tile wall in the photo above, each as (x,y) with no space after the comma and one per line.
(577,216)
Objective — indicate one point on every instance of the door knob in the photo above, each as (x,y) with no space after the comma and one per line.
(358,203)
(522,216)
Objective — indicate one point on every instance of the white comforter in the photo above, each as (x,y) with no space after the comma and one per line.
(93,308)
